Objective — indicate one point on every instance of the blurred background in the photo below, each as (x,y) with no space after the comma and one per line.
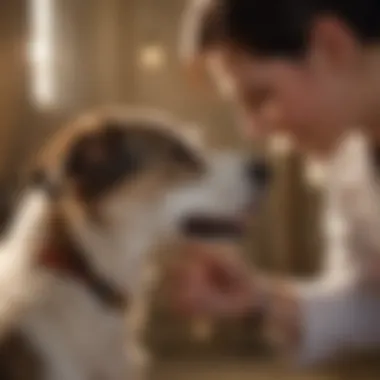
(60,57)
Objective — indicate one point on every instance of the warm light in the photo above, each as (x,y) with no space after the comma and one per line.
(152,57)
(315,173)
(280,145)
(41,52)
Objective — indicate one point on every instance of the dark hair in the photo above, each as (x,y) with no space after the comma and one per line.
(282,27)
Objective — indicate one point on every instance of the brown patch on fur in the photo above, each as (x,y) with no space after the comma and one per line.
(169,156)
(56,150)
(163,139)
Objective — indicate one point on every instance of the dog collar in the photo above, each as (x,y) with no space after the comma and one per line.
(62,256)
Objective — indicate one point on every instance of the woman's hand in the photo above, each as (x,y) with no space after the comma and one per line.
(209,280)
(212,280)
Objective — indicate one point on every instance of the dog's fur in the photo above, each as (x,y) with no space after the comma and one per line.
(71,265)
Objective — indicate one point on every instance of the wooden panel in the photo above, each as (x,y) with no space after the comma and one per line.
(13,76)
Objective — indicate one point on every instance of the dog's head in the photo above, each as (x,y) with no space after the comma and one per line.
(133,177)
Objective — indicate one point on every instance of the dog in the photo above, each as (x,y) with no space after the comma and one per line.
(115,182)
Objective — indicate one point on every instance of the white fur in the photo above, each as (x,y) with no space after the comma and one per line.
(224,192)
(78,337)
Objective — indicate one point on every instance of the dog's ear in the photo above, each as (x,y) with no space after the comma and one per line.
(98,161)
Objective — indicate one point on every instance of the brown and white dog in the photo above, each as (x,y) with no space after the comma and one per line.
(73,262)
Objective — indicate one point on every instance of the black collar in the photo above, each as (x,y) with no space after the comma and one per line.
(62,255)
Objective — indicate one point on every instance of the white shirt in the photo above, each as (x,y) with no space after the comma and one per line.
(337,311)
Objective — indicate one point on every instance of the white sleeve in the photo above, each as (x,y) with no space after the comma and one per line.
(335,313)
(336,320)
(337,261)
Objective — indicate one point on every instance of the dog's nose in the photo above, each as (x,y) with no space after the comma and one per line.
(259,172)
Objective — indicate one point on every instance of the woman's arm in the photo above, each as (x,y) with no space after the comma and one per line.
(316,319)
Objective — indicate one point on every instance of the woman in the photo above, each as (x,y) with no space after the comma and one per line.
(309,69)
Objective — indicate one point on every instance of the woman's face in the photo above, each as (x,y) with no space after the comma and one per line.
(308,99)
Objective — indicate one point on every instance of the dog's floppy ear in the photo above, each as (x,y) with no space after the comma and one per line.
(99,160)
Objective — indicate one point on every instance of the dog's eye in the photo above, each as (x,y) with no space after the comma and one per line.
(179,154)
(185,157)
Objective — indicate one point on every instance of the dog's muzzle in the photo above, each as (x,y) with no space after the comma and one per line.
(207,226)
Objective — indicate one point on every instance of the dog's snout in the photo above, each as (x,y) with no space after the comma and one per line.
(259,172)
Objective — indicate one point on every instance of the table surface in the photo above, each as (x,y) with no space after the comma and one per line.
(265,370)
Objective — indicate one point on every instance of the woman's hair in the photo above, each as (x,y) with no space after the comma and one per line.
(274,27)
